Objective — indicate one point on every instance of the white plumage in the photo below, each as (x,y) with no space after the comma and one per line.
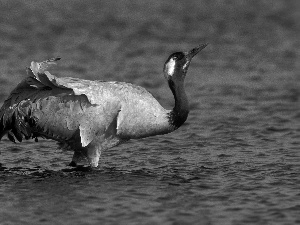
(91,116)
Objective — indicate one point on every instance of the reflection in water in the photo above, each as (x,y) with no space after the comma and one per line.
(102,195)
(236,159)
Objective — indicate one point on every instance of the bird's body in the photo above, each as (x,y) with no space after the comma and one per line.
(88,116)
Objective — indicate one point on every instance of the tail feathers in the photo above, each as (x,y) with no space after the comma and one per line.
(10,136)
(16,125)
(15,122)
(21,127)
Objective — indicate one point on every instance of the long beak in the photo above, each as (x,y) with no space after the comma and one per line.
(195,51)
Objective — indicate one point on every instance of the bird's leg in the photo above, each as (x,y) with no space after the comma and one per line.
(93,155)
(78,157)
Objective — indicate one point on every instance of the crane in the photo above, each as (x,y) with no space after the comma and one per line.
(87,116)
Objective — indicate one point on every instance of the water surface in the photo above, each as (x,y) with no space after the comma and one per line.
(235,160)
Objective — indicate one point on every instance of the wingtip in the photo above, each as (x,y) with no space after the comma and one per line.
(53,59)
(57,58)
(41,67)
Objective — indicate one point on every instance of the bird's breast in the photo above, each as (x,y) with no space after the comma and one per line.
(141,117)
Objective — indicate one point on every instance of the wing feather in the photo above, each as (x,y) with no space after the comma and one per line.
(64,108)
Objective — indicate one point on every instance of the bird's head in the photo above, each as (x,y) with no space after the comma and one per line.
(177,64)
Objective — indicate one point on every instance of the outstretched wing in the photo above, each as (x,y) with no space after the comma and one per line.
(12,122)
(42,105)
(63,117)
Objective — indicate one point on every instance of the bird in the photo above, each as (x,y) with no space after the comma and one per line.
(91,116)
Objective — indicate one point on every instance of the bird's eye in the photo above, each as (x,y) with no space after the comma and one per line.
(178,56)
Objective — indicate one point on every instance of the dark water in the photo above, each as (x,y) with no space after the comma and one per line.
(235,161)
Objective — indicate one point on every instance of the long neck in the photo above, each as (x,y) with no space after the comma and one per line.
(180,111)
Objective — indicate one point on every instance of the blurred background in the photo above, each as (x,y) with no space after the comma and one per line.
(130,40)
(234,161)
